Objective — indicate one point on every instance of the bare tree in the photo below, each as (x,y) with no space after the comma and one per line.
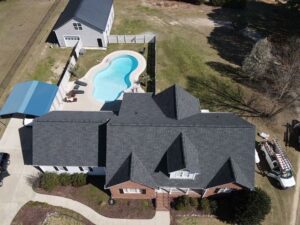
(274,68)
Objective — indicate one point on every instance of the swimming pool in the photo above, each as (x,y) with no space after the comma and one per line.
(118,72)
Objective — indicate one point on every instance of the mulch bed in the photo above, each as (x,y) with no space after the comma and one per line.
(124,209)
(34,213)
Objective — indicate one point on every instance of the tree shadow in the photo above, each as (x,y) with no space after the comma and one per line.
(292,134)
(99,182)
(234,44)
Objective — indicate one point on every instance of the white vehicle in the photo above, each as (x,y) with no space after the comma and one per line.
(281,168)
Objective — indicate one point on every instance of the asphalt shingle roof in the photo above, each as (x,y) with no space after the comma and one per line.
(174,101)
(144,142)
(93,13)
(63,138)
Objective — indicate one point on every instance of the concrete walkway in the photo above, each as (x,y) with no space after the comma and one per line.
(17,190)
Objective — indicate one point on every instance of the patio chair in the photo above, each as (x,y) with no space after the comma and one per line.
(78,91)
(81,83)
(76,87)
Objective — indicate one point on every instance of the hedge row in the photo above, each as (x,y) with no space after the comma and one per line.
(48,181)
(187,203)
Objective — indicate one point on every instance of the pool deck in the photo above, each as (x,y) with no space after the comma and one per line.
(86,101)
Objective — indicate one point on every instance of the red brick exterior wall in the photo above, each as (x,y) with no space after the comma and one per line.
(191,194)
(149,193)
(213,191)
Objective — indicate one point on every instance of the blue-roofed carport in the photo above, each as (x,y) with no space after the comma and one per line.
(31,98)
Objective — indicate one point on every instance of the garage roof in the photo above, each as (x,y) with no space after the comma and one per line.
(94,13)
(31,98)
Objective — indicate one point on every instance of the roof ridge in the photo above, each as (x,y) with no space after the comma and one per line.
(232,168)
(176,101)
(183,148)
(174,125)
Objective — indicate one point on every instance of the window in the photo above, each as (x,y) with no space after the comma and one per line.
(80,168)
(223,190)
(91,169)
(72,38)
(65,168)
(181,174)
(133,191)
(77,26)
(55,167)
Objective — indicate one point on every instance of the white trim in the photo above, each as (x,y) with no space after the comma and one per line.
(183,174)
(132,191)
(64,37)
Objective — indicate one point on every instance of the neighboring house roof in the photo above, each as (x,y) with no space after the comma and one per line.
(70,138)
(146,141)
(93,13)
(32,98)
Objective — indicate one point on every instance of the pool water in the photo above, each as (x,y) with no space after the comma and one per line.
(114,79)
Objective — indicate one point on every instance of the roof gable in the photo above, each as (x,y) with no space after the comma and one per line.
(177,103)
(93,13)
(230,172)
(132,169)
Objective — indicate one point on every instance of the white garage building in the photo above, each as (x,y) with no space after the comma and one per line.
(87,20)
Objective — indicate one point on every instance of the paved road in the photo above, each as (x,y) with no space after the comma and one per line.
(17,190)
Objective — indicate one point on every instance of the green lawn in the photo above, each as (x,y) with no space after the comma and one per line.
(186,48)
(94,57)
(198,221)
(50,66)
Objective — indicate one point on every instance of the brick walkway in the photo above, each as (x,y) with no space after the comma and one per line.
(162,202)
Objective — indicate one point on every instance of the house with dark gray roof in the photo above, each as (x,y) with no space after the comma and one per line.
(156,145)
(87,20)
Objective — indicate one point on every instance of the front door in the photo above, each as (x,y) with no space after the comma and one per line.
(100,44)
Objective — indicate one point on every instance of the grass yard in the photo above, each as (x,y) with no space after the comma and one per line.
(94,57)
(198,221)
(95,197)
(188,48)
(42,213)
(41,62)
(16,26)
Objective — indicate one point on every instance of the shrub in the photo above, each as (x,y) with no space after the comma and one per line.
(78,179)
(64,179)
(185,203)
(194,202)
(208,206)
(182,203)
(244,207)
(48,181)
(252,207)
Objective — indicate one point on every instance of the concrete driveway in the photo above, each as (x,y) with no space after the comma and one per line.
(17,190)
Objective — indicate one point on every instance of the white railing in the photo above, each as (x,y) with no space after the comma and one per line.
(63,84)
(131,39)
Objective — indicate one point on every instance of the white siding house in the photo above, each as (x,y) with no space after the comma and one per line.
(87,20)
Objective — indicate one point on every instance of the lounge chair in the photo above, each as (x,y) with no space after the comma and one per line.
(76,87)
(78,91)
(81,83)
